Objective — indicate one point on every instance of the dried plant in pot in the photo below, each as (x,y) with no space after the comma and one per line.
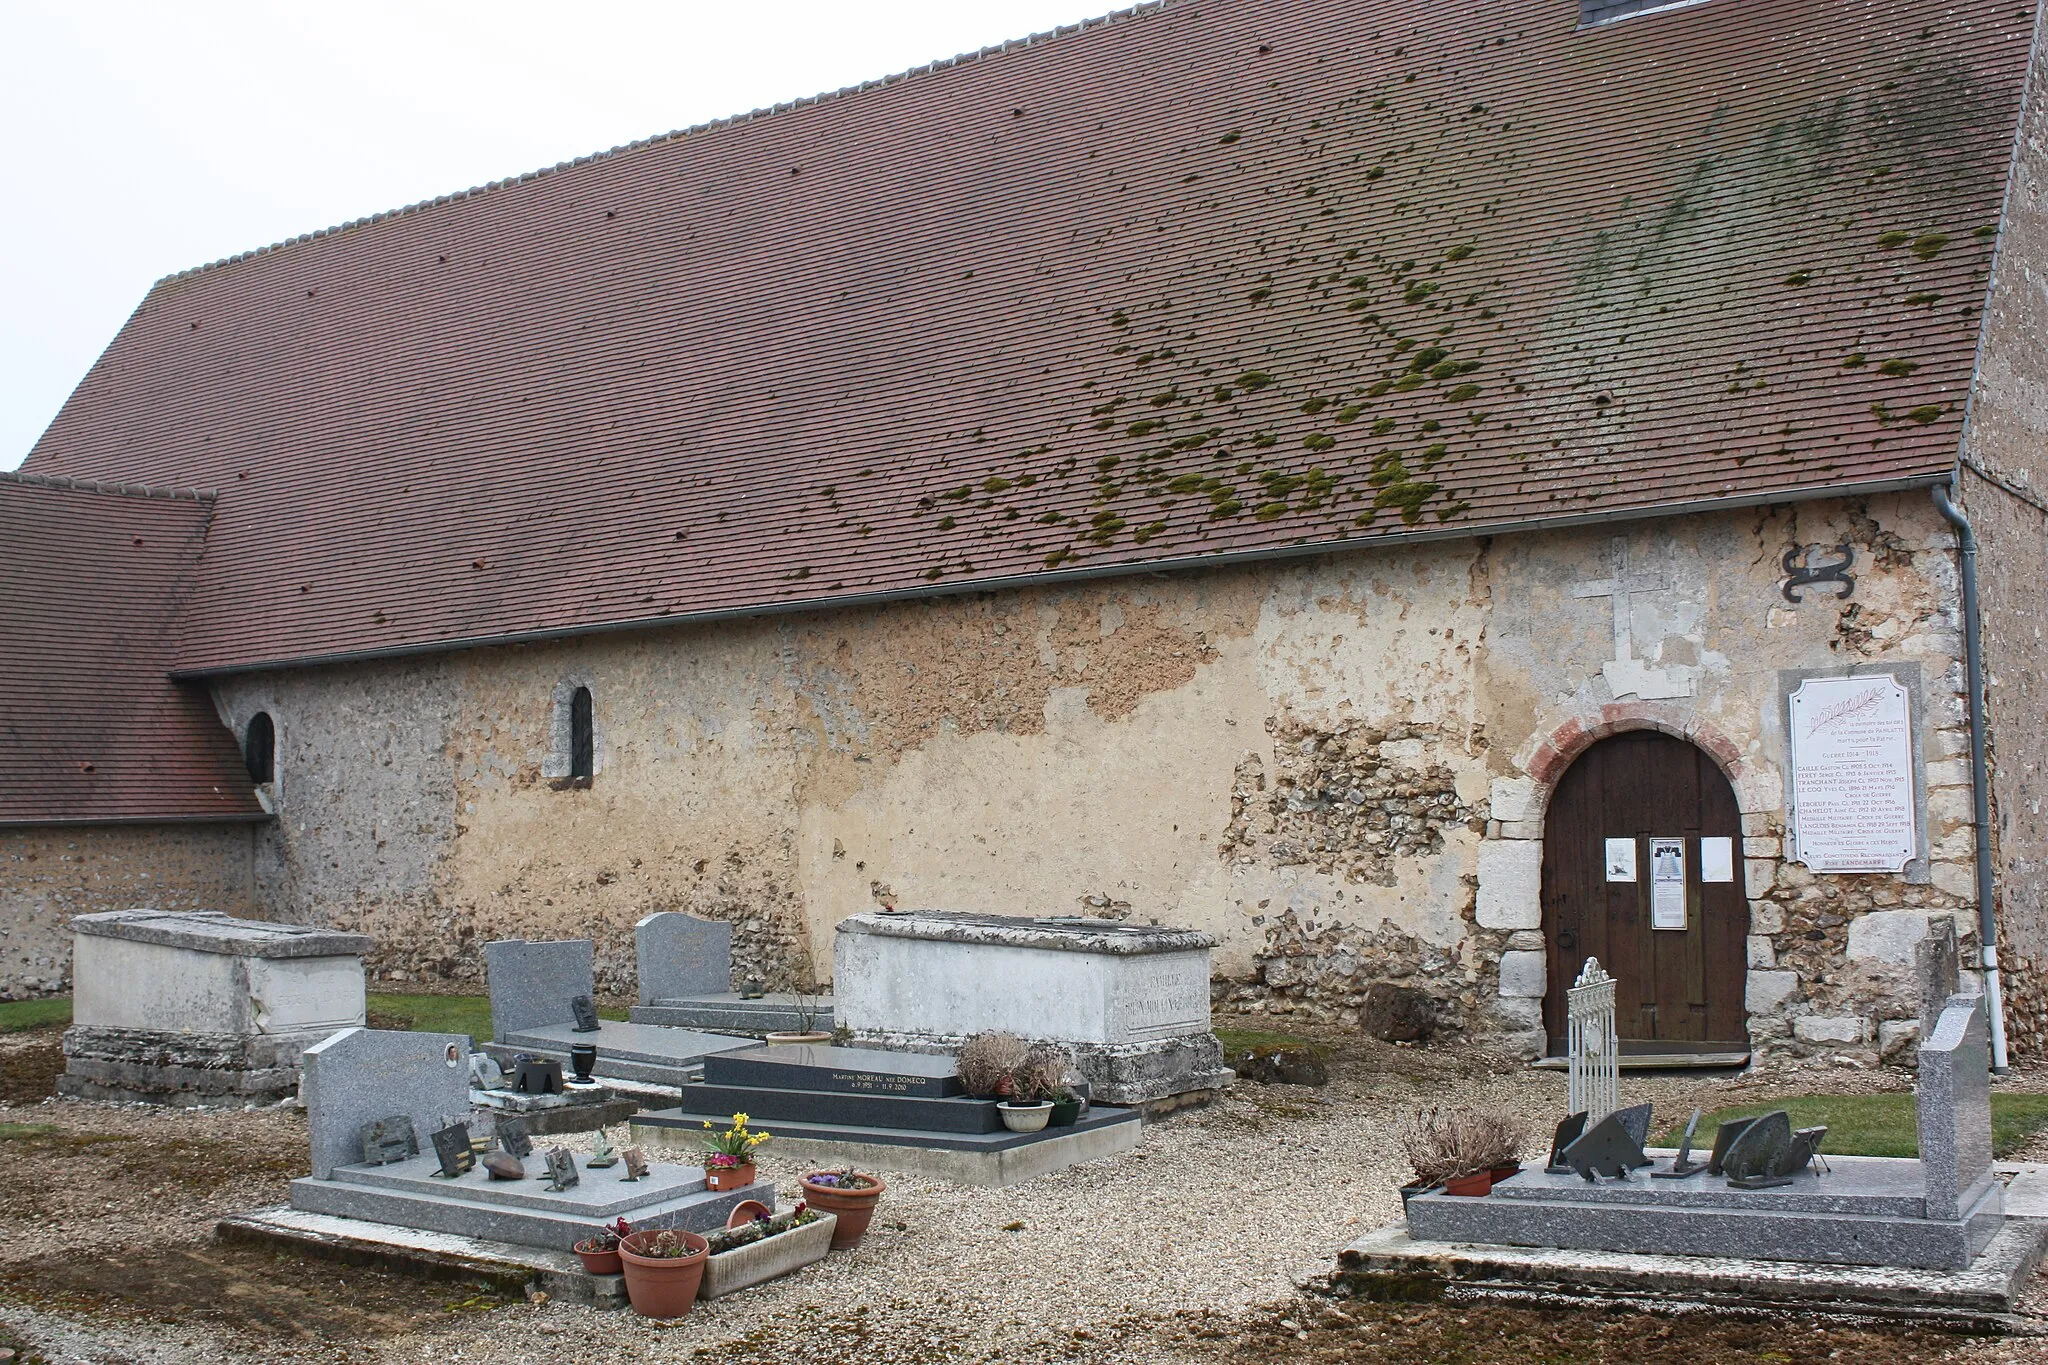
(1458,1148)
(810,1008)
(987,1063)
(1039,1075)
(599,1252)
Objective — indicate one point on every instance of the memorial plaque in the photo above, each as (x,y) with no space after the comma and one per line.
(1852,775)
(389,1139)
(1607,1150)
(1755,1159)
(583,1015)
(636,1164)
(562,1171)
(451,1144)
(1567,1133)
(514,1136)
(604,1158)
(1635,1121)
(842,1070)
(1724,1138)
(1683,1165)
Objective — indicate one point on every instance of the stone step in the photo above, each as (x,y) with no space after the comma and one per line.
(764,1107)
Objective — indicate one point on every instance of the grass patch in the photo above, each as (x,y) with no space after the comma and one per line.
(13,1132)
(1874,1125)
(19,1016)
(470,1014)
(1236,1040)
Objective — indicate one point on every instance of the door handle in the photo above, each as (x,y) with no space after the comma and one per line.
(1567,940)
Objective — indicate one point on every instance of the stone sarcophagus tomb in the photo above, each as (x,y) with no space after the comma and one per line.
(1132,1001)
(197,1007)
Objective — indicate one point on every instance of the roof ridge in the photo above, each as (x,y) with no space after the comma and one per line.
(128,490)
(945,63)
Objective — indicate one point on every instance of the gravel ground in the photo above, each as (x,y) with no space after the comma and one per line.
(1187,1249)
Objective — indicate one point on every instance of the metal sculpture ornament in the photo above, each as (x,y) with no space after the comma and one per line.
(1593,1049)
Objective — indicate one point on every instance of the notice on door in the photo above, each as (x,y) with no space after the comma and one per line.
(1717,859)
(1667,884)
(1852,775)
(1621,860)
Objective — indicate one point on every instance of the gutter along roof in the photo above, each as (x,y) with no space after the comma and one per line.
(1208,280)
(91,728)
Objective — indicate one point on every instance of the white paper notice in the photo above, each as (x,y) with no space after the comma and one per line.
(1621,860)
(1852,775)
(1717,859)
(1667,883)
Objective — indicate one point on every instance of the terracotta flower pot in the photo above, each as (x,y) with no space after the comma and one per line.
(728,1177)
(1471,1186)
(746,1211)
(663,1286)
(783,1039)
(1502,1172)
(599,1262)
(855,1208)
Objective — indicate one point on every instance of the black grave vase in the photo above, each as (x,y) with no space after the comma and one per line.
(583,1058)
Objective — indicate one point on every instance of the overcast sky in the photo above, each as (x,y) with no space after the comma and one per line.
(145,138)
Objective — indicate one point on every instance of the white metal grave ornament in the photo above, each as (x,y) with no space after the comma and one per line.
(1593,1049)
(1852,775)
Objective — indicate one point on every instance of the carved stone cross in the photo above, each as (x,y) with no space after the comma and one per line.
(1624,674)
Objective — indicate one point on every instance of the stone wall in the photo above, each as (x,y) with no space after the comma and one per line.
(1337,765)
(50,873)
(2004,490)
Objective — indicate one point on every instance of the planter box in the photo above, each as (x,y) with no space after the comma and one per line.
(743,1267)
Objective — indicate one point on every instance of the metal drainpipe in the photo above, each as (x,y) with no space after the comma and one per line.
(1980,776)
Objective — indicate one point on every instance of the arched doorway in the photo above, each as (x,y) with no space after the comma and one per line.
(1632,809)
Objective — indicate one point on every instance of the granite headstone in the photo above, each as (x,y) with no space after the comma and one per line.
(1937,970)
(531,984)
(682,956)
(362,1074)
(1954,1100)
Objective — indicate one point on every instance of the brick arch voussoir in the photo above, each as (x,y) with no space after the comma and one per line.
(1569,740)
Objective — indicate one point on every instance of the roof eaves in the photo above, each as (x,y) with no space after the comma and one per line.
(711,125)
(1050,578)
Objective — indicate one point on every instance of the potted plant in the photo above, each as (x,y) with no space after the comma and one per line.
(850,1195)
(664,1268)
(808,1008)
(1458,1148)
(1037,1076)
(729,1165)
(600,1253)
(1067,1106)
(988,1063)
(763,1246)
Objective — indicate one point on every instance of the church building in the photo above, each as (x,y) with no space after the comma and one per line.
(1426,496)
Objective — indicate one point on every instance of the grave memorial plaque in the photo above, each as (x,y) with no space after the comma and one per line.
(1635,1121)
(1756,1158)
(514,1136)
(636,1165)
(451,1145)
(1567,1133)
(1852,775)
(1609,1149)
(1724,1138)
(562,1171)
(1683,1165)
(389,1139)
(583,1014)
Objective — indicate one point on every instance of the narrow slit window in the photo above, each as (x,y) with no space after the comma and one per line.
(582,740)
(259,748)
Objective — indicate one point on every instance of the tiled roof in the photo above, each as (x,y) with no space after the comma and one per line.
(91,727)
(1220,277)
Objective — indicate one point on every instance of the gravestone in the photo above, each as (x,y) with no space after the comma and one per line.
(532,984)
(681,956)
(1954,1090)
(1131,1001)
(583,1014)
(362,1075)
(1937,970)
(389,1139)
(197,1007)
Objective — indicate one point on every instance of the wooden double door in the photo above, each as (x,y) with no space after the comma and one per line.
(1644,825)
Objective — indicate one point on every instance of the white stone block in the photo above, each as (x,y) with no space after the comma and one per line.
(1766,991)
(1766,846)
(1766,917)
(1523,975)
(1519,1013)
(1519,829)
(1814,1028)
(1513,798)
(1510,884)
(1888,936)
(1762,952)
(1955,879)
(1950,772)
(1895,1037)
(1757,875)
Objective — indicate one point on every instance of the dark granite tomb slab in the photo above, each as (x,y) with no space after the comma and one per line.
(840,1070)
(776,1108)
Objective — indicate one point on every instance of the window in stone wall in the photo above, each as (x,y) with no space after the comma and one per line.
(582,739)
(259,748)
